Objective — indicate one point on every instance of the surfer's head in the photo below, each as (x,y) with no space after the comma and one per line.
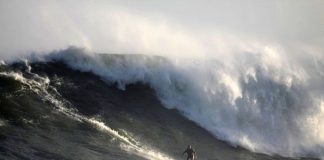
(189,146)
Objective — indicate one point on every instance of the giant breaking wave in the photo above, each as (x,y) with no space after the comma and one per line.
(261,101)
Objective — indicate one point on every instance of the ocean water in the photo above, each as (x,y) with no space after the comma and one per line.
(72,104)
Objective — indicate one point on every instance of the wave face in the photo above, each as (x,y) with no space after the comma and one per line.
(266,107)
(47,111)
(261,101)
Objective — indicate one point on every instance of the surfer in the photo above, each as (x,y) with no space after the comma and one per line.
(190,153)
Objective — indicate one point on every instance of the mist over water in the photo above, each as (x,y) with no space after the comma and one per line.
(250,73)
(183,28)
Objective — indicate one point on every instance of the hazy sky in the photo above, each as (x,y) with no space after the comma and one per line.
(161,26)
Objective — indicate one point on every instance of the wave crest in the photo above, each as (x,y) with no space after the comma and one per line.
(259,101)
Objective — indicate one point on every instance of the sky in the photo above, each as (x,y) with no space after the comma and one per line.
(163,27)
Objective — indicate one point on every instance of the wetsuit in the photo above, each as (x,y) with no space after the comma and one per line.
(190,152)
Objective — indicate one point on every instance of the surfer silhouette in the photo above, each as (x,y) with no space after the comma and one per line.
(190,153)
